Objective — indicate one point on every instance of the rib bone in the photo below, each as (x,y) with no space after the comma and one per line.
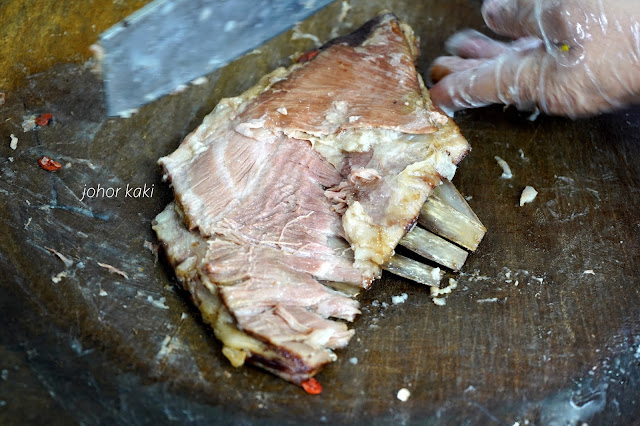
(414,270)
(433,247)
(447,214)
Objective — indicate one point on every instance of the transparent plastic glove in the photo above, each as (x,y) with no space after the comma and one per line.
(569,57)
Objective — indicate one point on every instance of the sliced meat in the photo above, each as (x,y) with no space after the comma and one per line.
(326,96)
(280,334)
(310,177)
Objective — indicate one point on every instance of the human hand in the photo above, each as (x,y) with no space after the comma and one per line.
(568,57)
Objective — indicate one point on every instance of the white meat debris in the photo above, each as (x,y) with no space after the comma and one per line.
(506,170)
(58,277)
(28,123)
(436,274)
(158,303)
(528,195)
(14,141)
(399,299)
(490,300)
(403,394)
(436,291)
(440,301)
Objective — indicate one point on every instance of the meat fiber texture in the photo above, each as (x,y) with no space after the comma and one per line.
(301,186)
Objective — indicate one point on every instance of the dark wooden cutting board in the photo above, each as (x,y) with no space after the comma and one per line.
(544,327)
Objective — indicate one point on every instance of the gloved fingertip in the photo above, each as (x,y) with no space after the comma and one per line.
(512,18)
(472,44)
(493,12)
(454,44)
(440,98)
(437,72)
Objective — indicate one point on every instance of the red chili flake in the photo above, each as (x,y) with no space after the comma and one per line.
(43,119)
(312,386)
(49,164)
(306,57)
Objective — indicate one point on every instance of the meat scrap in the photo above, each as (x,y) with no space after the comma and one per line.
(67,262)
(300,186)
(113,270)
(43,119)
(48,164)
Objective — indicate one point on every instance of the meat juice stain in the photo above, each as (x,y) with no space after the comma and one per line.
(129,191)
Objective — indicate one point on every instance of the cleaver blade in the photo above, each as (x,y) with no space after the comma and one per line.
(169,43)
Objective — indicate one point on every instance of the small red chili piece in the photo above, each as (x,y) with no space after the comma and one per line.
(306,57)
(49,164)
(43,119)
(312,386)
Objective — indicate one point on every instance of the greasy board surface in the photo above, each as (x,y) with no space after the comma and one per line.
(544,327)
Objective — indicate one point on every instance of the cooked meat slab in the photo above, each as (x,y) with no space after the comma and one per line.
(300,188)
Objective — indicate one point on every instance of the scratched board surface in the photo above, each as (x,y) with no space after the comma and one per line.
(544,327)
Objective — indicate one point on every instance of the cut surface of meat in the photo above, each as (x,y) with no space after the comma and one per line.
(280,334)
(309,178)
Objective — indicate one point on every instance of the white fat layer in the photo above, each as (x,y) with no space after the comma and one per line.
(247,127)
(333,147)
(320,337)
(373,242)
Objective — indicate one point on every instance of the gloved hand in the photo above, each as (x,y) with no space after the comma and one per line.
(569,57)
